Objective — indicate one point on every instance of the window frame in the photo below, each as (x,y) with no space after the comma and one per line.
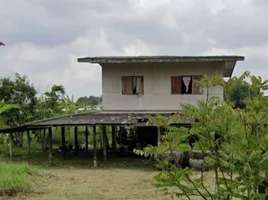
(181,83)
(132,93)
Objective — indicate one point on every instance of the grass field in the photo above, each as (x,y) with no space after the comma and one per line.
(75,178)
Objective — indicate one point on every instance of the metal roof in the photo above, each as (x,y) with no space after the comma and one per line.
(100,118)
(146,59)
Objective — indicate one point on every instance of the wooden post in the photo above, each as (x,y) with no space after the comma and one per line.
(113,139)
(121,130)
(86,138)
(104,143)
(94,146)
(44,145)
(10,146)
(29,142)
(76,140)
(63,142)
(50,157)
(158,135)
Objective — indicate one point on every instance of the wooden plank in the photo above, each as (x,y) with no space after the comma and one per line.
(94,147)
(104,143)
(29,142)
(63,142)
(87,133)
(50,156)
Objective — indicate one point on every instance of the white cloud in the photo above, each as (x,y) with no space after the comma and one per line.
(45,38)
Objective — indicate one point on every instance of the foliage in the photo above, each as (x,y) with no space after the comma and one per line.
(49,103)
(6,108)
(238,89)
(234,142)
(91,100)
(15,178)
(18,91)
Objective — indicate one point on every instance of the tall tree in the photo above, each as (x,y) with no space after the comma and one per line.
(18,91)
(239,89)
(50,103)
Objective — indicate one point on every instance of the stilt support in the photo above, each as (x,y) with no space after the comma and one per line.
(29,143)
(76,140)
(94,147)
(87,133)
(50,156)
(63,142)
(10,146)
(104,143)
(113,139)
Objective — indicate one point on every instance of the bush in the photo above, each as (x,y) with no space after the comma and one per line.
(15,178)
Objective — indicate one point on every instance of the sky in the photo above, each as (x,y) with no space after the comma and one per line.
(44,38)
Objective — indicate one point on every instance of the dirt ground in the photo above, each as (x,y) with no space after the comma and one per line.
(127,179)
(95,184)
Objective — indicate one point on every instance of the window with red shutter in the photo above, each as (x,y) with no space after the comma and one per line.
(176,84)
(185,85)
(132,85)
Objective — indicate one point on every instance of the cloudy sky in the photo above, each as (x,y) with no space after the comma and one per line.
(44,38)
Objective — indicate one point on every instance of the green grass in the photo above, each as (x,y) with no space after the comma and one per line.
(15,178)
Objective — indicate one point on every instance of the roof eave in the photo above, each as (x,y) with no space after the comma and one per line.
(159,59)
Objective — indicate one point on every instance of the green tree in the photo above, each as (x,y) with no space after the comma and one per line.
(18,91)
(233,141)
(50,103)
(238,89)
(4,107)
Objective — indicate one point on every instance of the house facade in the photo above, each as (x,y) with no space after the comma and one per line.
(158,83)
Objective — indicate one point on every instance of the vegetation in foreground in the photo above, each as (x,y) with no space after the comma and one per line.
(233,141)
(15,178)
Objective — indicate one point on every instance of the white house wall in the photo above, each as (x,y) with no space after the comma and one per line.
(157,85)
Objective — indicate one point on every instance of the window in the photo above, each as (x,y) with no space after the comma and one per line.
(132,85)
(185,85)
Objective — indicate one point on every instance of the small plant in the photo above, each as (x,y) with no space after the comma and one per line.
(15,178)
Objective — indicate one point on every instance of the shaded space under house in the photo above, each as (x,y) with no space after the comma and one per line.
(119,121)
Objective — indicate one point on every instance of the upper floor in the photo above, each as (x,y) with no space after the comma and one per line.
(158,83)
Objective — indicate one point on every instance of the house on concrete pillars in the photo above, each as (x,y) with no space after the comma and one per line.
(134,88)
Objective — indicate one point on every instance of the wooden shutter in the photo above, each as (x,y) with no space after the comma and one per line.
(196,89)
(139,85)
(127,85)
(176,85)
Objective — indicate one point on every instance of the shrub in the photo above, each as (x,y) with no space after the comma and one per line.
(15,178)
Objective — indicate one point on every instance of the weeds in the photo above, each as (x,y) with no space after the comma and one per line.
(15,178)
